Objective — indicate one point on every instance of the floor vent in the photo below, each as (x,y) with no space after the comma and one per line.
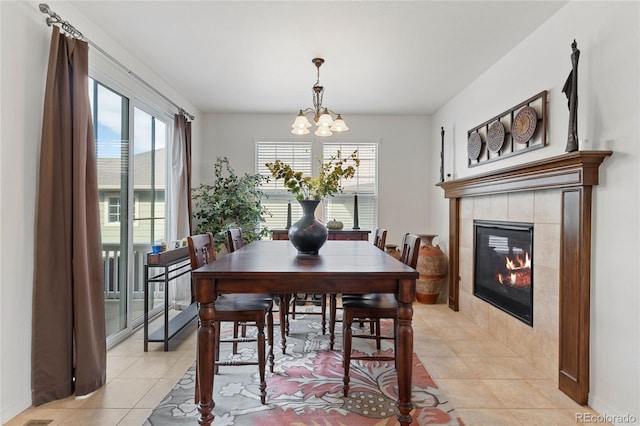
(38,422)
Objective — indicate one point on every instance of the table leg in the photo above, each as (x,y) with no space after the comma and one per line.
(206,297)
(404,345)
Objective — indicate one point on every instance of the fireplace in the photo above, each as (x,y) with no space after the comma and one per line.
(503,273)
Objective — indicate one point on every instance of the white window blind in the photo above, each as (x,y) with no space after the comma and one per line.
(298,155)
(364,184)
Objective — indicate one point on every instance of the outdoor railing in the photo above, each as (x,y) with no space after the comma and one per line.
(112,264)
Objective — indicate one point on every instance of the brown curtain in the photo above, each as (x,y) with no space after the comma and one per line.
(188,163)
(181,161)
(182,173)
(68,338)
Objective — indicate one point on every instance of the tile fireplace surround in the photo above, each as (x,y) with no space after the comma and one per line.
(555,195)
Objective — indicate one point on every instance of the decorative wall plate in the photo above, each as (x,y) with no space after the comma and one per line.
(524,125)
(474,146)
(495,136)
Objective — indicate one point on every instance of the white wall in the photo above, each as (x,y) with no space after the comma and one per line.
(24,52)
(402,157)
(608,35)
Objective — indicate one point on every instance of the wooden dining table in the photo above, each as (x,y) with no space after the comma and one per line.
(275,267)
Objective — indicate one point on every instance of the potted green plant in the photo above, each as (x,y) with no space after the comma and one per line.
(232,201)
(309,234)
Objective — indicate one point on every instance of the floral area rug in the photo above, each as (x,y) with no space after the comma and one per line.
(306,387)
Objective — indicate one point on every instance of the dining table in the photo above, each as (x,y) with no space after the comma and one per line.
(275,267)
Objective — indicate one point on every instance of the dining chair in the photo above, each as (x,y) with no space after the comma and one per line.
(379,240)
(287,302)
(244,308)
(235,241)
(374,307)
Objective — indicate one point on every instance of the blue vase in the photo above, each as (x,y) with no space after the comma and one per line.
(308,234)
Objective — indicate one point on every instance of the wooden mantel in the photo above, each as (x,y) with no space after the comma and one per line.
(574,174)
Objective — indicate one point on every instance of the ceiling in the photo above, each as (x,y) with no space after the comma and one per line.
(382,57)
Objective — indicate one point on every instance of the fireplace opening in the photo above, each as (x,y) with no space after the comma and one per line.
(503,271)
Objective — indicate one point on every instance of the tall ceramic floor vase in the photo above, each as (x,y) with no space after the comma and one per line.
(308,234)
(432,266)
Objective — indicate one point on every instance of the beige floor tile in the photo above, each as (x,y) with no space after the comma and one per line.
(149,367)
(95,417)
(469,332)
(136,417)
(177,370)
(447,368)
(545,417)
(549,388)
(493,368)
(120,393)
(58,415)
(468,393)
(116,364)
(480,348)
(517,394)
(155,395)
(494,348)
(488,417)
(432,347)
(525,368)
(130,346)
(68,402)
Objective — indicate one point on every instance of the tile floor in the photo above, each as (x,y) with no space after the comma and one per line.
(486,382)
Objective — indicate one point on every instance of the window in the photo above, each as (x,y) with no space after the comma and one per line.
(364,184)
(296,154)
(340,206)
(113,210)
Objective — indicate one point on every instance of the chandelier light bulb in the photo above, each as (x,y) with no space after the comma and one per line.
(339,125)
(298,131)
(325,119)
(323,131)
(301,122)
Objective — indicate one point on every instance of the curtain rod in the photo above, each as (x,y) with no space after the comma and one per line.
(55,19)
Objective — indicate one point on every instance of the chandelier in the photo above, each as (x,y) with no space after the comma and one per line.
(323,117)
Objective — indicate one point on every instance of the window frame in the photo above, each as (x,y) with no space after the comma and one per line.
(278,192)
(364,197)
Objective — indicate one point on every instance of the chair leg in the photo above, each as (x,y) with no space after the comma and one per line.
(332,320)
(236,326)
(323,309)
(289,299)
(261,360)
(347,319)
(376,322)
(196,392)
(270,336)
(216,349)
(285,299)
(395,343)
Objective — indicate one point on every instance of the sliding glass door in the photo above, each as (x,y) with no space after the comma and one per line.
(131,184)
(149,194)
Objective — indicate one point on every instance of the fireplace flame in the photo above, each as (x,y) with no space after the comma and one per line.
(526,263)
(518,272)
